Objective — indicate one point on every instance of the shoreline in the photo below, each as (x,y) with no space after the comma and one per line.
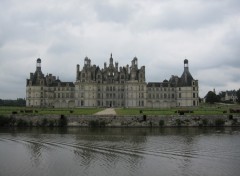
(118,121)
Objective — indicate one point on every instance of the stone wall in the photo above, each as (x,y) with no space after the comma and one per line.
(136,121)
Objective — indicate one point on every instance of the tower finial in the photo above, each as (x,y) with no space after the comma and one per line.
(38,64)
(185,64)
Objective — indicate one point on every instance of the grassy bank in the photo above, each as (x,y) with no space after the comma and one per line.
(48,111)
(203,109)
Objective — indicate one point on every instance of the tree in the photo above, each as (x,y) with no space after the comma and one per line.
(222,95)
(211,97)
(238,95)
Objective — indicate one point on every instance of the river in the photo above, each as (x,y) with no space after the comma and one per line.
(120,151)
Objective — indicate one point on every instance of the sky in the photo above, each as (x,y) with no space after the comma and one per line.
(160,33)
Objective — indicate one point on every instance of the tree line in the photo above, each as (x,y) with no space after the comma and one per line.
(17,102)
(212,97)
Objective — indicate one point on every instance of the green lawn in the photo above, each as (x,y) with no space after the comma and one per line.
(132,111)
(43,111)
(203,109)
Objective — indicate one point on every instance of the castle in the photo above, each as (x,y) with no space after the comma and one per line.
(111,86)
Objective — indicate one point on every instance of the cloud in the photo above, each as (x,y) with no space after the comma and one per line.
(160,33)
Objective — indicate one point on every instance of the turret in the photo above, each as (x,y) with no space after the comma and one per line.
(116,66)
(38,65)
(77,72)
(185,65)
(111,61)
(186,78)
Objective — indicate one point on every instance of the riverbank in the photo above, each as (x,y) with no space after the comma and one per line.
(120,121)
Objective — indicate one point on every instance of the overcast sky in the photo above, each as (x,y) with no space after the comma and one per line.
(160,33)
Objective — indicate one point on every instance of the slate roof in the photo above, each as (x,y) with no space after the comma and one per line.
(186,79)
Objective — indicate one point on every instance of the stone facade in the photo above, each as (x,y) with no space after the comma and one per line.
(47,91)
(111,86)
(178,91)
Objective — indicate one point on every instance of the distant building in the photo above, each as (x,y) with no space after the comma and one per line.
(229,95)
(111,86)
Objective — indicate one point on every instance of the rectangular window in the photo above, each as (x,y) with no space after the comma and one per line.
(165,96)
(180,95)
(149,95)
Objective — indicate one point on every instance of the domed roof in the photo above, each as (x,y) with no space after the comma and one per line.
(185,61)
(38,60)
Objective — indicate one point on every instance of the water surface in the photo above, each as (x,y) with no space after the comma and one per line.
(120,152)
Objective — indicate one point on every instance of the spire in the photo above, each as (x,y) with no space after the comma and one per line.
(111,60)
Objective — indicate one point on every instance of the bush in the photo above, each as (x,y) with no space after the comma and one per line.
(12,121)
(144,117)
(21,123)
(44,122)
(51,123)
(181,113)
(14,112)
(102,123)
(219,122)
(150,124)
(161,123)
(30,123)
(96,123)
(234,121)
(93,123)
(4,121)
(205,122)
(63,121)
(178,122)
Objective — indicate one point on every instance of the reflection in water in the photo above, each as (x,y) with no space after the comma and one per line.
(120,151)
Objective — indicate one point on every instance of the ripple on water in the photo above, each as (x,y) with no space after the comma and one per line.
(121,153)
